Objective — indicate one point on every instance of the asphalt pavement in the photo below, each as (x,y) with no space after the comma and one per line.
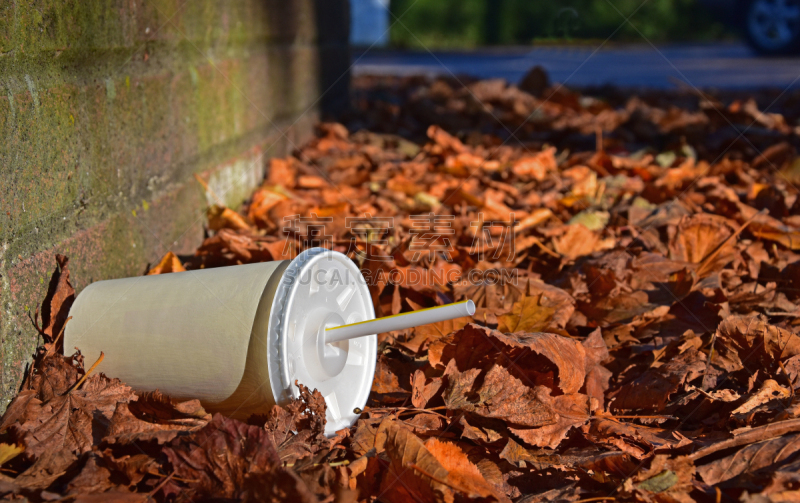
(720,66)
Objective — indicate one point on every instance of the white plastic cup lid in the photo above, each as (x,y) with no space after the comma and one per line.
(322,289)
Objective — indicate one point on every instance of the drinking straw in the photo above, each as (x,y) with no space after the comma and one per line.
(400,321)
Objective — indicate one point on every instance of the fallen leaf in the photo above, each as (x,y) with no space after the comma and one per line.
(9,452)
(297,429)
(652,390)
(754,457)
(424,389)
(579,241)
(220,217)
(592,220)
(154,417)
(462,475)
(168,263)
(536,166)
(527,315)
(702,237)
(69,423)
(262,202)
(282,172)
(769,391)
(597,376)
(445,140)
(223,457)
(499,396)
(59,298)
(431,471)
(755,340)
(540,358)
(639,441)
(665,480)
(433,332)
(570,410)
(403,482)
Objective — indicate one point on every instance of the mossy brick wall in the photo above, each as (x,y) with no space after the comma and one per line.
(109,107)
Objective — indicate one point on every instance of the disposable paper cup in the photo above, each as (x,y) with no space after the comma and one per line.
(235,337)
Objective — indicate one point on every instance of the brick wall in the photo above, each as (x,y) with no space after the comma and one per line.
(109,107)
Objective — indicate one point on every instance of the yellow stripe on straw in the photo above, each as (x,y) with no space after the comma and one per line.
(400,321)
(398,315)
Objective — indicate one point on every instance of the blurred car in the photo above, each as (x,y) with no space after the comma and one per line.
(771,27)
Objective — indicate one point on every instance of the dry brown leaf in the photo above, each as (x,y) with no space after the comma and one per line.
(220,217)
(403,483)
(755,340)
(386,380)
(55,308)
(571,411)
(754,457)
(667,480)
(282,172)
(424,389)
(527,315)
(70,422)
(9,452)
(432,471)
(224,457)
(542,459)
(432,332)
(154,417)
(262,202)
(597,376)
(578,241)
(637,440)
(541,358)
(536,166)
(445,140)
(298,428)
(699,237)
(462,475)
(168,263)
(651,391)
(769,391)
(500,395)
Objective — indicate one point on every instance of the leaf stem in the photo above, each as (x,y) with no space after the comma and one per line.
(94,366)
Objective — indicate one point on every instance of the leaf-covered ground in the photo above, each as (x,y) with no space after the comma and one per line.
(634,262)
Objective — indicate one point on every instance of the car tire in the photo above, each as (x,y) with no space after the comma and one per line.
(772,27)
